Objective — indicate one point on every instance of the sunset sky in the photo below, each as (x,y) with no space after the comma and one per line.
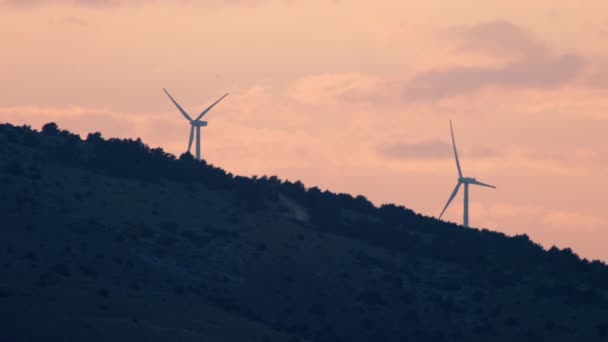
(349,95)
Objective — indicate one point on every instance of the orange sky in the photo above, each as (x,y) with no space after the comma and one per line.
(354,96)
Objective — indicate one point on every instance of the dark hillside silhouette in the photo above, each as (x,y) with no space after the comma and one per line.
(114,240)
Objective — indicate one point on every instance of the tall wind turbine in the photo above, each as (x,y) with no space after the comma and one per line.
(196,124)
(462,180)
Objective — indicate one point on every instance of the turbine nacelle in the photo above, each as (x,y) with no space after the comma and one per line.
(199,123)
(467,180)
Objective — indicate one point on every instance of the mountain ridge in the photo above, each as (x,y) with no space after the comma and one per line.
(195,233)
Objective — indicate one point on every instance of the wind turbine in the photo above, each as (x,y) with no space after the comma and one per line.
(462,180)
(196,124)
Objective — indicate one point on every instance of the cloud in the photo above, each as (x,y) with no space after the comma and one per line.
(88,3)
(518,61)
(432,149)
(69,20)
(346,89)
(542,73)
(481,152)
(569,156)
(429,150)
(314,89)
(530,66)
(113,3)
(596,76)
(498,37)
(331,87)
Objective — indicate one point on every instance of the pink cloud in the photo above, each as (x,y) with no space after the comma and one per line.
(541,73)
(530,65)
(497,38)
(583,157)
(432,149)
(114,3)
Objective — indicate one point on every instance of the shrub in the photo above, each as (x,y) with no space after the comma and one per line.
(15,169)
(34,172)
(103,292)
(4,293)
(179,290)
(512,321)
(318,309)
(260,247)
(94,138)
(30,139)
(170,226)
(602,330)
(88,271)
(50,129)
(371,298)
(166,240)
(62,269)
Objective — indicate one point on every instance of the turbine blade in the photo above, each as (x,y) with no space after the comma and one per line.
(209,108)
(191,137)
(455,151)
(178,106)
(454,193)
(484,184)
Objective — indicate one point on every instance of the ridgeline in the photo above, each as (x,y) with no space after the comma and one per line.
(110,240)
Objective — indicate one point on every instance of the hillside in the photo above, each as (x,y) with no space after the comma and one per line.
(109,240)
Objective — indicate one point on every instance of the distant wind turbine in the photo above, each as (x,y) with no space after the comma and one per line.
(462,180)
(195,124)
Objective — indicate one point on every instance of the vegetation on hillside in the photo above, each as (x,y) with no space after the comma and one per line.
(112,234)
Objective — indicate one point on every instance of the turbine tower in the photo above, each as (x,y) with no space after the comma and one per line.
(196,124)
(462,180)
